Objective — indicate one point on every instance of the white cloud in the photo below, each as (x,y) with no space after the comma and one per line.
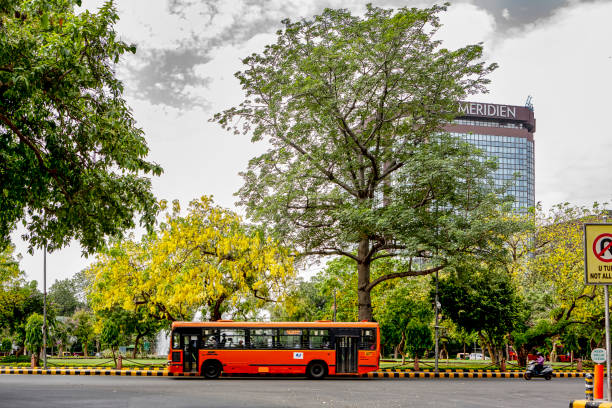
(564,63)
(562,60)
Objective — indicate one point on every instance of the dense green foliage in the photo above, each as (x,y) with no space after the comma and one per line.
(18,297)
(71,156)
(418,338)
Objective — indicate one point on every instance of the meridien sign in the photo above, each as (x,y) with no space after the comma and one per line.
(487,109)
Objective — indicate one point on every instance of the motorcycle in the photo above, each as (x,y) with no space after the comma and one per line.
(532,371)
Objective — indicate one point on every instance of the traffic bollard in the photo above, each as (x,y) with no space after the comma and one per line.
(588,386)
(598,383)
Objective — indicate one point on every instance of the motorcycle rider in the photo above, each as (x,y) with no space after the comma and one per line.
(539,362)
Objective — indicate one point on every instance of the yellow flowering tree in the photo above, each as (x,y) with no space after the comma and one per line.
(552,280)
(207,260)
(558,264)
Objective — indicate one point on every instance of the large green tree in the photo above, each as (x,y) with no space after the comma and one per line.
(34,335)
(71,156)
(484,301)
(359,165)
(63,297)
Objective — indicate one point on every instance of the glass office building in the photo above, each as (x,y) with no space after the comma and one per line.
(505,132)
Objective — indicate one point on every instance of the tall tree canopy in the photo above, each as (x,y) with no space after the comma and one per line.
(71,156)
(359,165)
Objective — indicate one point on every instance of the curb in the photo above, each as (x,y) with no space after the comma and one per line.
(493,374)
(97,371)
(589,404)
(87,368)
(461,370)
(166,373)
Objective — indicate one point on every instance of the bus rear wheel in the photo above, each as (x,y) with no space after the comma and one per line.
(316,370)
(211,369)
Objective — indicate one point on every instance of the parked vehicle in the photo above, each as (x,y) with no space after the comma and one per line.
(532,371)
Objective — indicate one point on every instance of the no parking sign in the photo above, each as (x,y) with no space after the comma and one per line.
(598,254)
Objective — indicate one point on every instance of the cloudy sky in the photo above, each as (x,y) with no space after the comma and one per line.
(557,51)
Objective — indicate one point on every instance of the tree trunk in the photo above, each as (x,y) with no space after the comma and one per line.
(85,348)
(363,280)
(114,356)
(215,309)
(521,356)
(138,337)
(486,344)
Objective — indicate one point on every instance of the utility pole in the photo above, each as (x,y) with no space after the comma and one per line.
(437,349)
(334,304)
(44,328)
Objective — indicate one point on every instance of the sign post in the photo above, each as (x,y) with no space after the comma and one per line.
(598,356)
(598,271)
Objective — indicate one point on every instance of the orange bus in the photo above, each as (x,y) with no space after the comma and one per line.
(315,349)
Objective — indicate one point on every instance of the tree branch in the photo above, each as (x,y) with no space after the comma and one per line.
(403,274)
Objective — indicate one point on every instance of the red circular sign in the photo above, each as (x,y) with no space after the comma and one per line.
(602,247)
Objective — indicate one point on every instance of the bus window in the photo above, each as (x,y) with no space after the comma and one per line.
(176,340)
(290,339)
(318,339)
(262,338)
(368,339)
(210,338)
(232,338)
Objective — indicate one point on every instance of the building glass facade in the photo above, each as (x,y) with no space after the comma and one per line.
(506,133)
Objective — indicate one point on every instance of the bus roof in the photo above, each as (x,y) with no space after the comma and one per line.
(229,323)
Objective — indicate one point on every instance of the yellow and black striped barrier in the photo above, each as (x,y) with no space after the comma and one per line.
(94,368)
(148,372)
(589,404)
(459,374)
(588,386)
(96,371)
(464,370)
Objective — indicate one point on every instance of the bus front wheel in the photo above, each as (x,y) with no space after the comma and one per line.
(211,369)
(316,370)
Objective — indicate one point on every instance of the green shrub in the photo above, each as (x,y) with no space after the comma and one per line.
(15,359)
(6,345)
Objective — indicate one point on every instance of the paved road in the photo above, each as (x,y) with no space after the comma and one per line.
(149,392)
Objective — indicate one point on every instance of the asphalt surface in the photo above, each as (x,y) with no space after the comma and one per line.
(149,392)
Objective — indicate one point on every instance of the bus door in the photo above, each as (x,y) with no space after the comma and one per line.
(191,344)
(346,341)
